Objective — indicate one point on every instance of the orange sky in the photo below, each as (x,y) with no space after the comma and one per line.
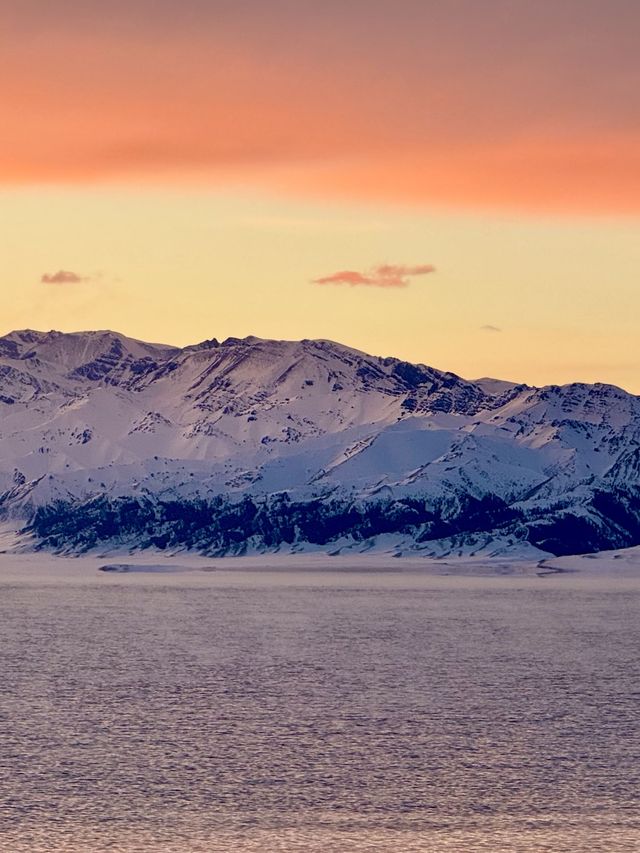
(497,103)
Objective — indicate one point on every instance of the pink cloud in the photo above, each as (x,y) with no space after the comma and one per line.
(384,275)
(63,277)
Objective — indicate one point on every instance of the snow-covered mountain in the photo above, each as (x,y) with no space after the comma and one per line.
(255,444)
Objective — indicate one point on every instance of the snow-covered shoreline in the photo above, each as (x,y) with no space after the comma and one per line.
(45,566)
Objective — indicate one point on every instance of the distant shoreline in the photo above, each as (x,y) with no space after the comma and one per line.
(42,564)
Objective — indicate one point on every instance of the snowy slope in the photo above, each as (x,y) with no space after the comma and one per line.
(252,444)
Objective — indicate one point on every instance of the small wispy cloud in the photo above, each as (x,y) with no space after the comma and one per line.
(384,275)
(64,277)
(489,328)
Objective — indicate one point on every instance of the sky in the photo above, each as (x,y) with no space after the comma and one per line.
(452,183)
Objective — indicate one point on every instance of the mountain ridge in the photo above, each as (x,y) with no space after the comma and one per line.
(317,440)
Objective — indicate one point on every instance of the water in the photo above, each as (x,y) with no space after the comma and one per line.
(197,713)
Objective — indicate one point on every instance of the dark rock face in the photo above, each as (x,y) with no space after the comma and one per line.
(610,519)
(103,365)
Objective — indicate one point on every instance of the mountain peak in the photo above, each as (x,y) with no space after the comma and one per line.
(303,442)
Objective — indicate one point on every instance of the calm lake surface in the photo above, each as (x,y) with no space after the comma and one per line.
(243,711)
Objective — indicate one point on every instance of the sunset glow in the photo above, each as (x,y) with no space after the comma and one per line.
(192,152)
(320,437)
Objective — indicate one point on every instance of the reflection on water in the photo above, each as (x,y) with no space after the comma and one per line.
(277,713)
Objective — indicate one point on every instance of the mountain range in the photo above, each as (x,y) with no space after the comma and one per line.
(251,445)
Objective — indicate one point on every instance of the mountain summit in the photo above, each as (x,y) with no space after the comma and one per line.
(250,445)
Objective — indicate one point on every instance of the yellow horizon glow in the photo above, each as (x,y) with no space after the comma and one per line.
(180,266)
